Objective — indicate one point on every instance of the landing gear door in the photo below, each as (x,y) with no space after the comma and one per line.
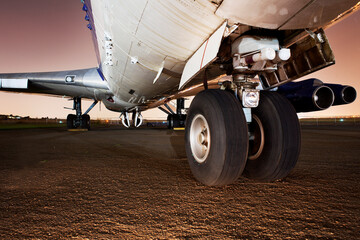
(204,56)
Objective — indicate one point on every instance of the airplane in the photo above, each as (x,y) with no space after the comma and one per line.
(238,58)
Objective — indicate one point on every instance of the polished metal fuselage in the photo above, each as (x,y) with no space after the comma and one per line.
(137,39)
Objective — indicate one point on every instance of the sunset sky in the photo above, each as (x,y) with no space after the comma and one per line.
(44,35)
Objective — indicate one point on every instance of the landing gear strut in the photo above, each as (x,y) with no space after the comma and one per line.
(79,120)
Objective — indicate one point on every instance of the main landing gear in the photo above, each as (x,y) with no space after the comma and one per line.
(178,119)
(79,120)
(220,146)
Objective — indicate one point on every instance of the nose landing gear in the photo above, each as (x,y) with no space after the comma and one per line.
(221,146)
(275,142)
(216,138)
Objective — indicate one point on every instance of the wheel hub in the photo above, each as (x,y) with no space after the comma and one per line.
(200,138)
(257,138)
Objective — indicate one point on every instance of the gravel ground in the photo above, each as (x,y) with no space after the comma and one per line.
(136,184)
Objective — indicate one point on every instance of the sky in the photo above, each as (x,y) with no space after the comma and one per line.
(48,35)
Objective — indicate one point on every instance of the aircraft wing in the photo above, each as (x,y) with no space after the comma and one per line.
(85,83)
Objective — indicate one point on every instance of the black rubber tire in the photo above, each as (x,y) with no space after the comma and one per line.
(228,137)
(85,121)
(70,121)
(281,135)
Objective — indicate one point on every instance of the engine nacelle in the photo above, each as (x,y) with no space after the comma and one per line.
(343,94)
(308,95)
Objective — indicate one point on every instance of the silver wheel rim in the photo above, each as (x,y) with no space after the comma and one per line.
(200,138)
(259,139)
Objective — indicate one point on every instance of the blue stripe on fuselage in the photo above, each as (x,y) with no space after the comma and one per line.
(88,9)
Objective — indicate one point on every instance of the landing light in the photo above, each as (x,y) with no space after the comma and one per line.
(250,98)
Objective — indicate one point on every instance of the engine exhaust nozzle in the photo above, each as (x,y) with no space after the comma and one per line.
(323,97)
(343,94)
(308,95)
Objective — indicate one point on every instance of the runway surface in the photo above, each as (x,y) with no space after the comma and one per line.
(115,183)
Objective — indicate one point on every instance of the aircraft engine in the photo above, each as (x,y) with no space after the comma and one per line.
(308,95)
(343,94)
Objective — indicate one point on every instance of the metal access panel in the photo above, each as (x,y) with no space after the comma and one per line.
(309,54)
(14,83)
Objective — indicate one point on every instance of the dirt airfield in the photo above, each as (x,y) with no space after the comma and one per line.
(112,183)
